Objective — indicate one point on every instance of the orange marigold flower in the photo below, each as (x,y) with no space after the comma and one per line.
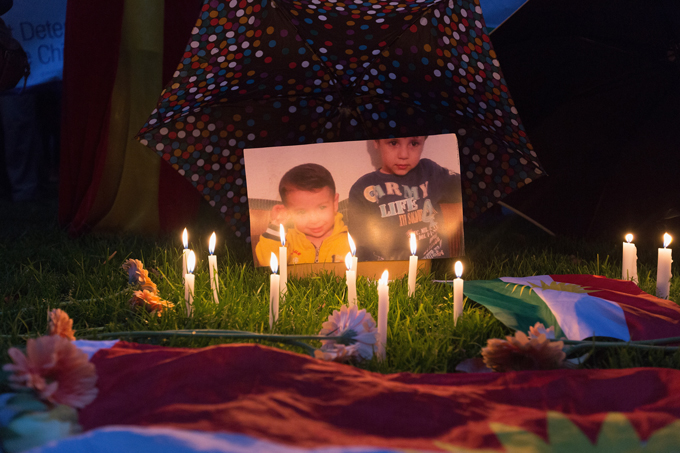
(137,275)
(520,352)
(150,301)
(61,324)
(56,369)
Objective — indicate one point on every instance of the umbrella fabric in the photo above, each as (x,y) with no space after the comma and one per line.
(290,400)
(579,306)
(597,84)
(259,74)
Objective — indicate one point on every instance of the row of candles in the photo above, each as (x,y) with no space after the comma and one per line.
(663,267)
(278,281)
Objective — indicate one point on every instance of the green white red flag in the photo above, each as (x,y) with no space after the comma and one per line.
(579,306)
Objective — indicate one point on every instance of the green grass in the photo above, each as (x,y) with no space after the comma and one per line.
(42,268)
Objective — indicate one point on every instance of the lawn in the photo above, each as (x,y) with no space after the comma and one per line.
(41,268)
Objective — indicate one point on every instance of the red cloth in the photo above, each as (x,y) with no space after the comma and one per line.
(91,50)
(291,398)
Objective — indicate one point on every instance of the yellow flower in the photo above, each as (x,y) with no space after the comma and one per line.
(150,301)
(520,352)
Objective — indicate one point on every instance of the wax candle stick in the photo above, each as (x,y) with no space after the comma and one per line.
(383,309)
(457,292)
(185,242)
(283,263)
(212,265)
(353,251)
(412,266)
(189,279)
(351,281)
(663,269)
(273,292)
(629,269)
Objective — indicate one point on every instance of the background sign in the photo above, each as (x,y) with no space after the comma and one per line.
(39,26)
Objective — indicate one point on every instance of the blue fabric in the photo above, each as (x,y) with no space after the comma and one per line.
(496,11)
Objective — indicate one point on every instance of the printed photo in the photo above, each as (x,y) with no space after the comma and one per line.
(379,191)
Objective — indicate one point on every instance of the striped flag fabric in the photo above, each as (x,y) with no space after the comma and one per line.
(248,398)
(579,306)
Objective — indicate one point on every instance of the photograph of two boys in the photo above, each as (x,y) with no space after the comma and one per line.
(379,191)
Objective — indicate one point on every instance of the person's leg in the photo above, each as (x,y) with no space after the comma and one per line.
(22,143)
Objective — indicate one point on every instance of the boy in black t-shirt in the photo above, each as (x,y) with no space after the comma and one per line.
(405,195)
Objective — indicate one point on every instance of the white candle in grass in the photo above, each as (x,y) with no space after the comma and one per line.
(383,309)
(629,268)
(412,266)
(212,265)
(663,269)
(185,242)
(283,262)
(457,292)
(353,251)
(189,279)
(351,281)
(273,292)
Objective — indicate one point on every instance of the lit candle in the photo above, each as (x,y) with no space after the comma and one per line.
(412,266)
(351,281)
(283,262)
(383,308)
(663,269)
(273,292)
(353,250)
(185,241)
(457,292)
(629,271)
(212,265)
(189,281)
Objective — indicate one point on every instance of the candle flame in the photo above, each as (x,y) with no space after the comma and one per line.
(282,233)
(352,247)
(458,267)
(211,246)
(348,260)
(667,239)
(185,239)
(274,263)
(383,279)
(191,262)
(629,238)
(413,243)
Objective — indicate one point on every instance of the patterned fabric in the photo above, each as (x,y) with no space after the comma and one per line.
(271,73)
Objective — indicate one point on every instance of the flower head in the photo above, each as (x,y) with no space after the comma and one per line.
(56,369)
(520,352)
(137,275)
(358,328)
(536,330)
(61,324)
(150,301)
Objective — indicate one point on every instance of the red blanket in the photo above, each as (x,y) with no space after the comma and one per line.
(293,399)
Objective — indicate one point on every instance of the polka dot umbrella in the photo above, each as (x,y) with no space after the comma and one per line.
(260,73)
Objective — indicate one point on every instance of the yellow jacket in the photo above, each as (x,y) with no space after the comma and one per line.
(300,250)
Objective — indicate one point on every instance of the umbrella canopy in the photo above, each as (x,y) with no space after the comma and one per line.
(272,73)
(598,85)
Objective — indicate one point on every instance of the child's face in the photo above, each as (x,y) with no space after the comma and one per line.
(313,212)
(400,155)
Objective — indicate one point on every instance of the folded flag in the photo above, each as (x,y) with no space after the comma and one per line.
(579,306)
(248,398)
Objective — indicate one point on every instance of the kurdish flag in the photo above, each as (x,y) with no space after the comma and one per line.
(579,306)
(245,398)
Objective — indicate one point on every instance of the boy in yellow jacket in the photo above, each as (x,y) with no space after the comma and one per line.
(311,203)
